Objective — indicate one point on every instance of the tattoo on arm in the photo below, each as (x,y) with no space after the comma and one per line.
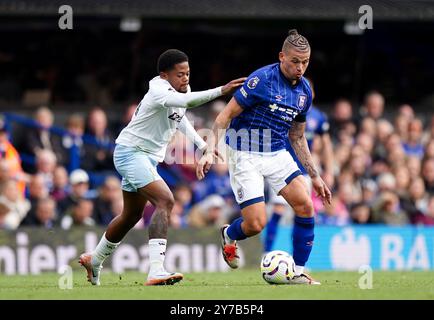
(299,144)
(159,224)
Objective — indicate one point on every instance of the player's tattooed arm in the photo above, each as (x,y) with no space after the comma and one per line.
(299,144)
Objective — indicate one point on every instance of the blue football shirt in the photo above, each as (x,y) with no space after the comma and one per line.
(270,104)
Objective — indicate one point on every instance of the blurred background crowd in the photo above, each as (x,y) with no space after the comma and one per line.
(66,94)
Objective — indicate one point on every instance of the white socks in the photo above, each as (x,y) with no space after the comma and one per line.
(157,253)
(103,250)
(299,270)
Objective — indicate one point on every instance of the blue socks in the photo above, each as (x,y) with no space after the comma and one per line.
(271,231)
(234,231)
(302,239)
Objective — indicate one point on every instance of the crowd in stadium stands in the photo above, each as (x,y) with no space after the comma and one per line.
(384,172)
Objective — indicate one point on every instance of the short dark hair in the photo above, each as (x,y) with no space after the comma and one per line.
(295,40)
(169,58)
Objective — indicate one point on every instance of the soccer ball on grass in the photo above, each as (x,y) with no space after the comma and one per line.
(277,267)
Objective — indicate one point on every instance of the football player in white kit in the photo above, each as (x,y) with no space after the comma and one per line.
(139,148)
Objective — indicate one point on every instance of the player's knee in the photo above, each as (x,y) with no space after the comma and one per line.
(304,209)
(166,202)
(255,226)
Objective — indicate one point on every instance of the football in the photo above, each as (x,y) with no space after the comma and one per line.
(277,267)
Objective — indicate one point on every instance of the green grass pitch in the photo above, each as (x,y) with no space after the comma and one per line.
(234,285)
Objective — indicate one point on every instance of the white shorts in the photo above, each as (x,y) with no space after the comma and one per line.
(248,170)
(276,199)
(136,167)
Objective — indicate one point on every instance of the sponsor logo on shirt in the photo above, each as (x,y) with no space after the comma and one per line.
(288,111)
(243,92)
(175,117)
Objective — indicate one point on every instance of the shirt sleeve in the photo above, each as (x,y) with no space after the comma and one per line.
(248,95)
(169,97)
(187,129)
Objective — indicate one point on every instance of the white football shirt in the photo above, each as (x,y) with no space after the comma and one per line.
(158,115)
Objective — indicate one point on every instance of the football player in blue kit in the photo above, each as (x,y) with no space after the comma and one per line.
(317,126)
(269,108)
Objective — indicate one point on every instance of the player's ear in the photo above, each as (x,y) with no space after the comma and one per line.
(164,75)
(281,56)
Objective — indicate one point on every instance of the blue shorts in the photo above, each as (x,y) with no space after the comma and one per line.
(136,167)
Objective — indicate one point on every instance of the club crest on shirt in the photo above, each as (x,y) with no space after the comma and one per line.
(302,100)
(240,194)
(252,83)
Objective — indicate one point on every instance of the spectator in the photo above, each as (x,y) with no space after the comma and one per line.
(45,164)
(360,213)
(79,181)
(98,158)
(11,161)
(80,214)
(335,214)
(183,202)
(429,150)
(45,214)
(384,131)
(413,146)
(75,125)
(373,106)
(342,119)
(414,166)
(387,210)
(369,191)
(37,190)
(406,110)
(369,127)
(401,123)
(417,200)
(402,177)
(428,217)
(17,206)
(386,182)
(3,212)
(429,134)
(428,175)
(41,138)
(109,192)
(60,187)
(209,212)
(217,181)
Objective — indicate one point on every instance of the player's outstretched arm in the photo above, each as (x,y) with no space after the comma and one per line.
(299,144)
(194,99)
(188,130)
(222,121)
